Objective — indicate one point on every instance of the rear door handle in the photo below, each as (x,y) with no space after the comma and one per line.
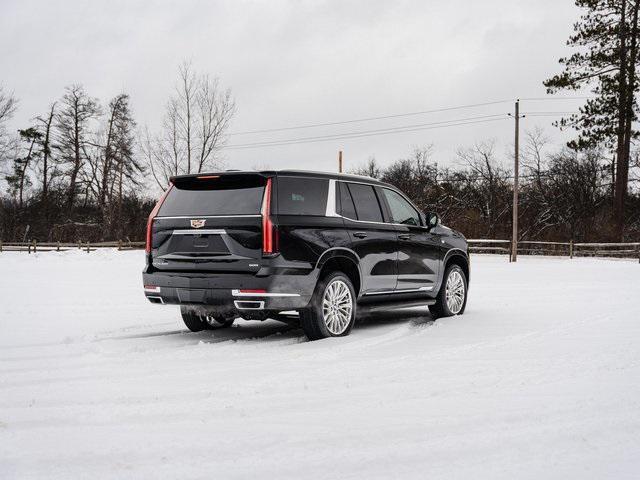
(405,236)
(360,234)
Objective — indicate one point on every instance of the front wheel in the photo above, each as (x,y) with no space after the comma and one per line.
(452,297)
(332,309)
(197,322)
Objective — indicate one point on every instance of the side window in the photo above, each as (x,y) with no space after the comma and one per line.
(366,202)
(401,210)
(302,196)
(347,209)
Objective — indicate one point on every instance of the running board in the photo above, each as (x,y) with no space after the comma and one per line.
(394,305)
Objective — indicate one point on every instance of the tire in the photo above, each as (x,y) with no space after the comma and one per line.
(332,309)
(197,322)
(454,280)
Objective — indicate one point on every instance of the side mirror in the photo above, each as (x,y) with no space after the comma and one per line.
(433,220)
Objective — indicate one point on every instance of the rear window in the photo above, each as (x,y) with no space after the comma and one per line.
(226,195)
(302,196)
(366,202)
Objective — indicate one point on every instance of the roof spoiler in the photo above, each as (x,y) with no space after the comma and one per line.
(214,175)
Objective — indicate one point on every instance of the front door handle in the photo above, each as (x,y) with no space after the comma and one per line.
(405,236)
(360,234)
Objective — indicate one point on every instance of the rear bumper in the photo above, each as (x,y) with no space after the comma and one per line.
(222,292)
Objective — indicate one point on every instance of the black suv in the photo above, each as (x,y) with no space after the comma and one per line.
(298,246)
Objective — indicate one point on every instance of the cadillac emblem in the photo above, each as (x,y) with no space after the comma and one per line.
(197,223)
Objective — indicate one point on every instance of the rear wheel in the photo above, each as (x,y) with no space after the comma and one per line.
(452,297)
(197,322)
(332,309)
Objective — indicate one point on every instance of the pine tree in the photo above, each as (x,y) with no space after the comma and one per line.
(606,39)
(19,180)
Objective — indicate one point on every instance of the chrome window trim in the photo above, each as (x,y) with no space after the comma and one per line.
(212,216)
(331,200)
(237,293)
(200,231)
(408,290)
(333,213)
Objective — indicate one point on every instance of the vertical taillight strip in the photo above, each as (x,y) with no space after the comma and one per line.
(152,215)
(268,243)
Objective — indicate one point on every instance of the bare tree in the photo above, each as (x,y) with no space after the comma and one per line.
(72,125)
(369,169)
(8,106)
(45,129)
(196,120)
(487,183)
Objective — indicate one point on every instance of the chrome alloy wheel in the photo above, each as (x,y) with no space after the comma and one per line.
(337,307)
(454,293)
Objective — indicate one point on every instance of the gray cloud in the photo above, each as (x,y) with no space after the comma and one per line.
(294,63)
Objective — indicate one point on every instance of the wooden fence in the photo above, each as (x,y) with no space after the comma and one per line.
(568,249)
(35,246)
(526,247)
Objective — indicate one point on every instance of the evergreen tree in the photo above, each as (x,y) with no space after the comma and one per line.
(606,39)
(19,180)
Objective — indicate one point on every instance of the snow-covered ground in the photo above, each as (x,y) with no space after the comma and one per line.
(539,379)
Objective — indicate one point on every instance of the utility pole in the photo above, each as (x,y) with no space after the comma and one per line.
(514,233)
(340,161)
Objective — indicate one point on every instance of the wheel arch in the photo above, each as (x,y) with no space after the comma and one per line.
(344,260)
(458,257)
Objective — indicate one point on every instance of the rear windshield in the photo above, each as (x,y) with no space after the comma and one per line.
(302,196)
(226,195)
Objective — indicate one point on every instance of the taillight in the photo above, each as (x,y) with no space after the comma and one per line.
(152,215)
(269,231)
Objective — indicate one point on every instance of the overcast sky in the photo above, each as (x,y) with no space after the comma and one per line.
(291,63)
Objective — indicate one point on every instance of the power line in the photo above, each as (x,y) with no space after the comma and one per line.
(369,133)
(368,119)
(397,115)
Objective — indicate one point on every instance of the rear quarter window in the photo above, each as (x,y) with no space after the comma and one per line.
(366,202)
(302,196)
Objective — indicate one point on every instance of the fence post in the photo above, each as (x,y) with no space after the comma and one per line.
(510,251)
(571,249)
(87,246)
(119,244)
(34,246)
(637,251)
(0,245)
(29,247)
(58,247)
(79,245)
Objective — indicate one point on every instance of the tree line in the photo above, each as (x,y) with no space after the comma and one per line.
(564,194)
(82,170)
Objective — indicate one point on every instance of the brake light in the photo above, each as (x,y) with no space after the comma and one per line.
(152,215)
(269,231)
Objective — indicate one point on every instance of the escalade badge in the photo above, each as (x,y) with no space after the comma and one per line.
(197,223)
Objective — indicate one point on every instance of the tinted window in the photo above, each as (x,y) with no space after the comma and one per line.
(346,202)
(216,196)
(366,202)
(401,210)
(302,196)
